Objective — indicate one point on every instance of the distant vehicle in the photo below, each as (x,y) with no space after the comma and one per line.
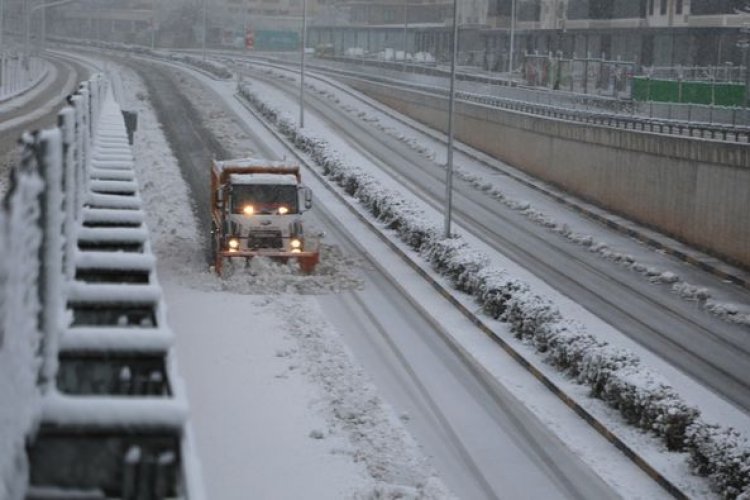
(256,210)
(324,50)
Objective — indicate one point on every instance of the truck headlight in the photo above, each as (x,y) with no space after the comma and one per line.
(248,210)
(295,243)
(233,244)
(283,210)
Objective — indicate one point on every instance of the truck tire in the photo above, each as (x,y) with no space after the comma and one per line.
(216,259)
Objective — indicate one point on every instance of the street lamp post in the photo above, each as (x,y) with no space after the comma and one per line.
(29,12)
(2,47)
(451,106)
(205,27)
(406,25)
(302,66)
(744,44)
(153,24)
(512,38)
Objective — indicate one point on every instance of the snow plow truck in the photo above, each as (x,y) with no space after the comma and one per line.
(256,210)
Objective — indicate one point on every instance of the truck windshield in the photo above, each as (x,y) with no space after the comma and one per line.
(264,198)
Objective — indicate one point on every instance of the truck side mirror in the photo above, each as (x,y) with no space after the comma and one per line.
(305,197)
(219,198)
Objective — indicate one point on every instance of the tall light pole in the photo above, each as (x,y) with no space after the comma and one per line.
(512,37)
(153,24)
(2,24)
(302,66)
(205,27)
(43,7)
(406,25)
(451,106)
(2,47)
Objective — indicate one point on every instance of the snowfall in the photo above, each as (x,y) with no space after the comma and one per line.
(280,406)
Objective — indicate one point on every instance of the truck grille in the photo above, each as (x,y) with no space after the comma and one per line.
(264,239)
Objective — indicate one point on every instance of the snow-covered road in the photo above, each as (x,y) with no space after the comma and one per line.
(487,443)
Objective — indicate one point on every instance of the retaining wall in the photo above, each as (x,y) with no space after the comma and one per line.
(695,190)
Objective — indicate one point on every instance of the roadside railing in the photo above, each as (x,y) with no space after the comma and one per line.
(18,75)
(712,131)
(96,403)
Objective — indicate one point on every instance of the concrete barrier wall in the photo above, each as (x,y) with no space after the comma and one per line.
(697,191)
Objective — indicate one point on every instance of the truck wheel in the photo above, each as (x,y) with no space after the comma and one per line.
(216,258)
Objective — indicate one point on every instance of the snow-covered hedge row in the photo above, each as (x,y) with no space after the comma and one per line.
(216,69)
(614,375)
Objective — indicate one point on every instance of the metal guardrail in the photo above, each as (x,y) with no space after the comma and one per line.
(726,133)
(18,75)
(104,413)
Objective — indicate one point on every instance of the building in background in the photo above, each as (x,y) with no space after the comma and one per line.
(644,32)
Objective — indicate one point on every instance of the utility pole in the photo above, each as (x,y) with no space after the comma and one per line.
(451,107)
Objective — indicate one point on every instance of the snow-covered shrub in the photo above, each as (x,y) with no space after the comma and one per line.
(599,363)
(567,347)
(527,312)
(454,258)
(494,295)
(723,455)
(647,401)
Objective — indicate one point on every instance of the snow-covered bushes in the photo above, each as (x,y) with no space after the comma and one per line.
(216,69)
(614,375)
(723,455)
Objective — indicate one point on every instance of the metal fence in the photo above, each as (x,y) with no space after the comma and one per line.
(582,75)
(19,74)
(725,73)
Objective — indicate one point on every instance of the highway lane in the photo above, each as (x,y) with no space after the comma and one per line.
(41,110)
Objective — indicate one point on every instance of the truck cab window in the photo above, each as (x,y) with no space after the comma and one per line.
(264,198)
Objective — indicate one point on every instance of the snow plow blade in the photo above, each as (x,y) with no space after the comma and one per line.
(307,260)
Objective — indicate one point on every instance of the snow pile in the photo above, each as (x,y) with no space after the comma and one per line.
(424,57)
(355,52)
(389,453)
(616,376)
(20,336)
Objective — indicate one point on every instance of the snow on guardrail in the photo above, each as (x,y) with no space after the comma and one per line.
(86,359)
